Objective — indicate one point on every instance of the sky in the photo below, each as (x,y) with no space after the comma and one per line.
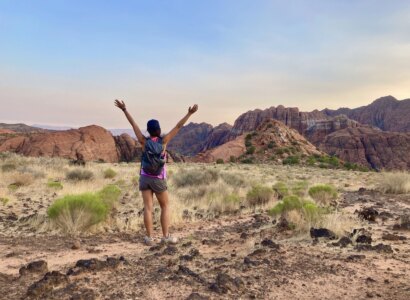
(64,62)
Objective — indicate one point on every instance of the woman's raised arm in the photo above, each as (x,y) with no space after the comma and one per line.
(138,133)
(174,131)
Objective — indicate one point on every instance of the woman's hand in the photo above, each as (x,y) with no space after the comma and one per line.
(120,105)
(193,109)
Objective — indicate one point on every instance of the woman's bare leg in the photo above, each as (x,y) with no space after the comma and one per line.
(165,211)
(147,196)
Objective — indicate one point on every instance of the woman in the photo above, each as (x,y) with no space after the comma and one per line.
(153,171)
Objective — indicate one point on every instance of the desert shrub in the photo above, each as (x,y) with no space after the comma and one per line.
(228,203)
(7,167)
(291,160)
(300,188)
(281,189)
(109,195)
(248,143)
(232,159)
(300,213)
(395,183)
(55,185)
(248,160)
(248,137)
(311,161)
(109,173)
(334,161)
(195,177)
(235,180)
(259,195)
(4,200)
(20,179)
(271,144)
(219,161)
(323,194)
(250,150)
(34,173)
(77,213)
(279,151)
(79,175)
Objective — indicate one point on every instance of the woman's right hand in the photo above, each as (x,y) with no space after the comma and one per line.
(120,104)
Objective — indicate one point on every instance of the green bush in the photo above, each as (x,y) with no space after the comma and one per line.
(76,213)
(279,151)
(250,150)
(219,161)
(291,160)
(109,173)
(248,137)
(292,202)
(311,161)
(271,144)
(79,175)
(4,200)
(109,195)
(55,185)
(309,210)
(259,195)
(281,189)
(248,160)
(7,167)
(195,177)
(232,159)
(323,193)
(248,143)
(300,188)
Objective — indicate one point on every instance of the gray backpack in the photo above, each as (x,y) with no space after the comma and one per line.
(152,161)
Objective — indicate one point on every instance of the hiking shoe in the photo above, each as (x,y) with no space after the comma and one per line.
(149,241)
(169,240)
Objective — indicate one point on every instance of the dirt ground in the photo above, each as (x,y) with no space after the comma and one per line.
(238,256)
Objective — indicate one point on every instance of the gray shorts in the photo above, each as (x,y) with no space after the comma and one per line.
(154,184)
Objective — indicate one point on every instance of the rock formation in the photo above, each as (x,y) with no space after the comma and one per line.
(270,136)
(370,147)
(86,143)
(190,139)
(386,113)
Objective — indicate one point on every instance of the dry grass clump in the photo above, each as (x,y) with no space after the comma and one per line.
(79,175)
(233,179)
(78,213)
(195,177)
(20,179)
(395,183)
(323,194)
(109,173)
(7,167)
(259,195)
(227,204)
(340,223)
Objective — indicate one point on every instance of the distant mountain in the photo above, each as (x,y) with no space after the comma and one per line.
(21,128)
(54,128)
(120,131)
(386,113)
